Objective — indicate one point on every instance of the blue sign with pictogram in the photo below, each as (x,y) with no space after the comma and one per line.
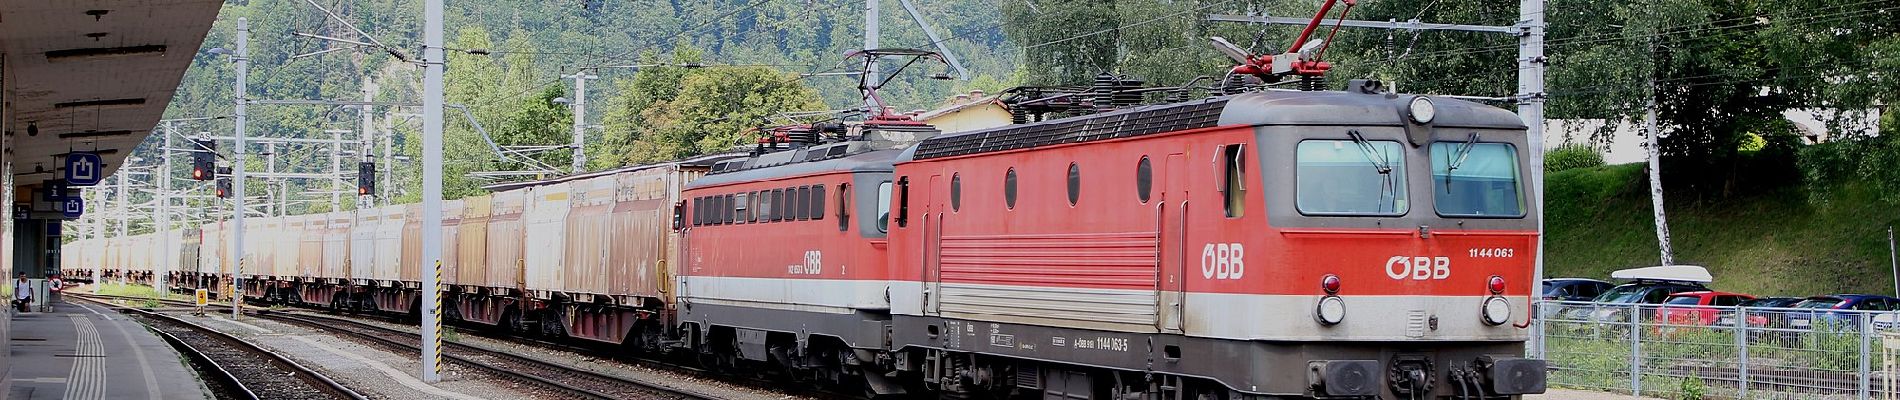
(72,208)
(84,169)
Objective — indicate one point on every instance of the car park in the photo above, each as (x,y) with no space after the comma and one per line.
(1758,310)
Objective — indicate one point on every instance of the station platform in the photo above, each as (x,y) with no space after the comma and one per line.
(84,351)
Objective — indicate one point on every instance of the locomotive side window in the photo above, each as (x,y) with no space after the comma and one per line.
(844,207)
(884,206)
(765,206)
(745,209)
(1350,177)
(1075,183)
(728,213)
(757,214)
(956,192)
(1144,179)
(1009,189)
(794,204)
(1233,187)
(804,203)
(779,210)
(697,209)
(1471,179)
(816,206)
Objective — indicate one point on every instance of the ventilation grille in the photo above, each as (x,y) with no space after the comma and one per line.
(1131,123)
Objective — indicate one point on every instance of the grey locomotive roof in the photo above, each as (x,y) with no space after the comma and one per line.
(1322,108)
(696,161)
(872,161)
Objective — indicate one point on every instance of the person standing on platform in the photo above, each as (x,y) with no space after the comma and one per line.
(22,293)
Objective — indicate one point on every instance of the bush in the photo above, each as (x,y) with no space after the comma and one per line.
(1571,156)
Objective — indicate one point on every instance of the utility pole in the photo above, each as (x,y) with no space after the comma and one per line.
(580,118)
(1893,260)
(388,165)
(167,254)
(336,170)
(368,137)
(1530,107)
(125,202)
(870,42)
(432,63)
(237,167)
(270,168)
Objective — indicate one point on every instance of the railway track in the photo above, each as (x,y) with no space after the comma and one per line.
(402,340)
(237,368)
(573,381)
(563,379)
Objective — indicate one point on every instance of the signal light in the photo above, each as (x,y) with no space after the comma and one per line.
(1330,283)
(365,178)
(1496,284)
(203,159)
(224,182)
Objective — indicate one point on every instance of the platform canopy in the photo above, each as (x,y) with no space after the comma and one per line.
(91,75)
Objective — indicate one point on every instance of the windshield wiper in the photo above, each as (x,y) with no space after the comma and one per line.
(1457,159)
(1381,163)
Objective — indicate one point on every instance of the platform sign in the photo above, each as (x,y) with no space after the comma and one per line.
(72,208)
(202,297)
(84,169)
(53,190)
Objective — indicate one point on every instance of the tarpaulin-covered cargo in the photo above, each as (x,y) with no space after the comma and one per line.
(363,244)
(588,237)
(544,224)
(504,240)
(471,242)
(451,217)
(310,244)
(640,259)
(336,245)
(388,244)
(410,268)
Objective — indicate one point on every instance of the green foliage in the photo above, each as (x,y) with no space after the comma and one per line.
(1761,242)
(1571,156)
(1874,162)
(682,112)
(1692,388)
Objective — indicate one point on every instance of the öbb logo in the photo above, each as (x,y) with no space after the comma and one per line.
(1223,261)
(1418,268)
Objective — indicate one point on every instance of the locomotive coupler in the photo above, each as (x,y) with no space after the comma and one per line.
(1411,375)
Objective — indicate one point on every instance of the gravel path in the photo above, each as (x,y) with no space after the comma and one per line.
(368,370)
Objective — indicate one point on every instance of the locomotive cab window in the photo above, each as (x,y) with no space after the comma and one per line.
(1472,179)
(1233,187)
(1350,177)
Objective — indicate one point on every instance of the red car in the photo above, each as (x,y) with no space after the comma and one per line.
(1695,308)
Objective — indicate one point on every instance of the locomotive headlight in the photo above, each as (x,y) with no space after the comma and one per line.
(1497,311)
(1421,109)
(1331,310)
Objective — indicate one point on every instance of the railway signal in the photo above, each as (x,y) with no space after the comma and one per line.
(224,182)
(203,160)
(366,178)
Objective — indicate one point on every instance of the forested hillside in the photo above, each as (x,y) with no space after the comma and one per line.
(1723,69)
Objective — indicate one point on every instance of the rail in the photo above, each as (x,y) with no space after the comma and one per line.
(329,387)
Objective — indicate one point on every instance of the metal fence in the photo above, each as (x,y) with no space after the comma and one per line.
(1683,352)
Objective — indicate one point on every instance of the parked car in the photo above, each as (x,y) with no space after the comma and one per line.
(1698,307)
(1834,310)
(1574,289)
(1611,302)
(1759,311)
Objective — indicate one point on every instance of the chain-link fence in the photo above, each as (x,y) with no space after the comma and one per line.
(1674,351)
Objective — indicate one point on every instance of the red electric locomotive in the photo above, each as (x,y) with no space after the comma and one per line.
(1281,243)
